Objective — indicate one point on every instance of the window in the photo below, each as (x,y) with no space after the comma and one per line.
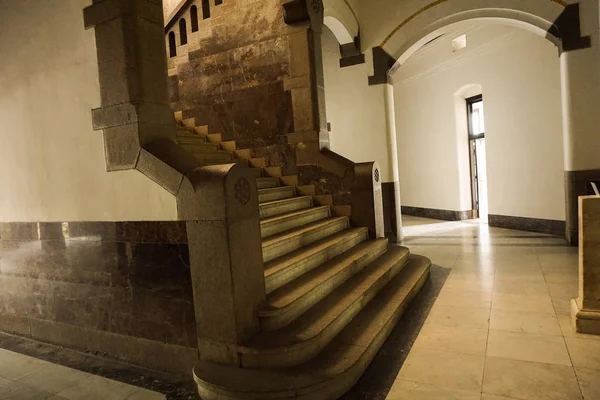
(182,32)
(194,17)
(172,45)
(476,117)
(205,9)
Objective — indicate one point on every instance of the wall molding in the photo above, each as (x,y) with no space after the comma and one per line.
(539,225)
(446,215)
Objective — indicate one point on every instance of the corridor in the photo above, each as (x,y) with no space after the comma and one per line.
(500,327)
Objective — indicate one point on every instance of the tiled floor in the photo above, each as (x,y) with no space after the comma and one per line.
(27,378)
(500,327)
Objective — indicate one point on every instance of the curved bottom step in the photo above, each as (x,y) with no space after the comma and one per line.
(337,368)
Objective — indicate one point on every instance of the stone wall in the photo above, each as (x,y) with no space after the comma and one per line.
(232,75)
(121,289)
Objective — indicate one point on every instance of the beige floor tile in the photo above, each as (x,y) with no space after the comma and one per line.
(521,288)
(529,380)
(462,298)
(144,394)
(98,388)
(528,347)
(19,391)
(517,302)
(563,289)
(463,317)
(473,284)
(566,326)
(561,277)
(584,353)
(562,305)
(14,366)
(4,381)
(589,382)
(526,322)
(54,378)
(444,369)
(520,276)
(485,396)
(459,340)
(406,390)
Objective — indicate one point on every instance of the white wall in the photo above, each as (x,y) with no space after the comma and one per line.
(519,75)
(52,164)
(355,110)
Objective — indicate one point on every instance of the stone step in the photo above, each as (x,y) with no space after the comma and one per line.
(285,269)
(277,207)
(279,245)
(200,147)
(190,139)
(256,172)
(284,222)
(287,303)
(279,193)
(309,334)
(214,157)
(267,182)
(341,363)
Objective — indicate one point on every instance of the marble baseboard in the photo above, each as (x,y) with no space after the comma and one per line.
(538,225)
(79,283)
(446,215)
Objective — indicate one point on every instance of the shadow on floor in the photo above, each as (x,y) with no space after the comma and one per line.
(379,377)
(375,384)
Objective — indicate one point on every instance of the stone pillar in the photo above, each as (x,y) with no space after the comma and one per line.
(392,140)
(579,29)
(586,308)
(133,78)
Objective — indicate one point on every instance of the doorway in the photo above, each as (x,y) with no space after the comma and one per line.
(476,124)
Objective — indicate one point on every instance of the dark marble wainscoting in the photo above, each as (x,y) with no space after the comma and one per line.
(117,289)
(538,225)
(446,215)
(577,183)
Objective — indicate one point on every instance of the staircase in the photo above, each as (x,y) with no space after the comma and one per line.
(333,294)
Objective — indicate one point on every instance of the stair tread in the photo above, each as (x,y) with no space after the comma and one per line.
(282,237)
(276,189)
(319,317)
(292,291)
(290,215)
(283,201)
(278,264)
(350,352)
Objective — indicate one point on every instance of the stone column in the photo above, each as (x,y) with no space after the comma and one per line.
(390,113)
(586,308)
(579,29)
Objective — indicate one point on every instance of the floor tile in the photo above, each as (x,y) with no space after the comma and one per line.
(517,302)
(462,298)
(98,388)
(562,305)
(53,378)
(526,322)
(406,390)
(454,339)
(520,276)
(529,380)
(444,369)
(144,394)
(485,396)
(584,353)
(457,282)
(464,317)
(14,366)
(19,391)
(4,381)
(521,288)
(589,382)
(564,289)
(561,277)
(528,347)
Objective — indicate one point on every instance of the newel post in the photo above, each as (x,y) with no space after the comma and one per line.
(586,308)
(367,199)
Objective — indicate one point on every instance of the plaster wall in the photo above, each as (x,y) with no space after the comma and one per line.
(52,165)
(519,75)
